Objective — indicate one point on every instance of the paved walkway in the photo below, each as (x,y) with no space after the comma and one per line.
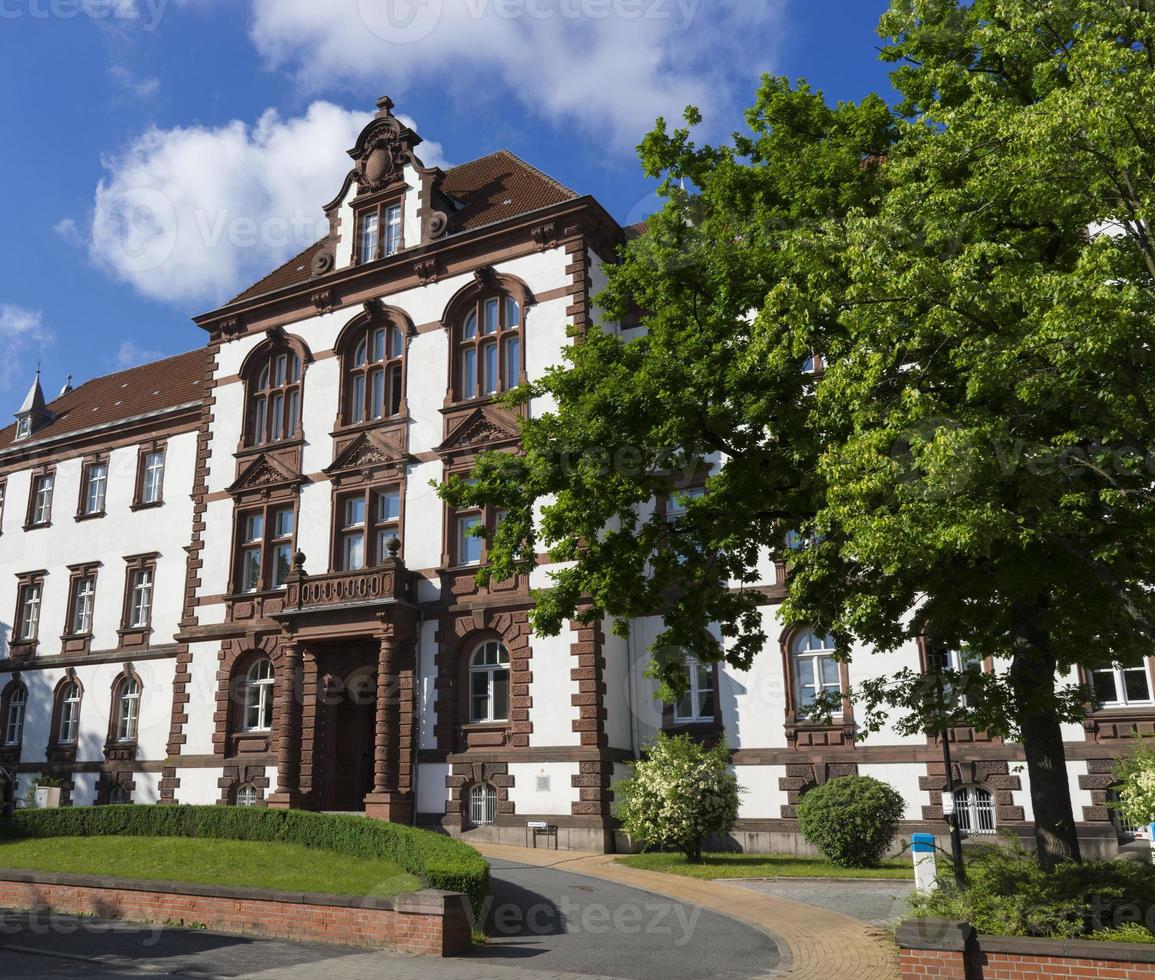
(817,944)
(877,902)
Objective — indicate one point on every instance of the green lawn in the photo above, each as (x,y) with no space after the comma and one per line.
(248,864)
(761,866)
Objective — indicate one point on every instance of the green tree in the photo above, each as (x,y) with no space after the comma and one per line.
(975,461)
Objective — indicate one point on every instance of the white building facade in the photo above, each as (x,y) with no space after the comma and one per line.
(295,621)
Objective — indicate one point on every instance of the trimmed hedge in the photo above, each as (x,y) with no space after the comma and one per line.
(440,862)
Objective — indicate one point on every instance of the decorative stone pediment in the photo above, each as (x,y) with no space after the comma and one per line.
(370,451)
(383,150)
(263,475)
(480,429)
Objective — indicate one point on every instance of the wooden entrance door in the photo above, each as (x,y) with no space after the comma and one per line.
(347,733)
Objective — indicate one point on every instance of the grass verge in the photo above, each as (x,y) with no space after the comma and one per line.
(723,865)
(235,863)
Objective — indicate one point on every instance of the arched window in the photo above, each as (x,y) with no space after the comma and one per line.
(489,683)
(274,396)
(246,795)
(374,375)
(119,795)
(814,667)
(488,356)
(482,804)
(68,717)
(258,697)
(974,810)
(126,708)
(15,705)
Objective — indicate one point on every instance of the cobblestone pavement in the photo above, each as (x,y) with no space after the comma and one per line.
(877,903)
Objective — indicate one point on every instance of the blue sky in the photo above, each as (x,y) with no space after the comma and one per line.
(159,155)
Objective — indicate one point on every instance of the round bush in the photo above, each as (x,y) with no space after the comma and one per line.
(851,820)
(439,861)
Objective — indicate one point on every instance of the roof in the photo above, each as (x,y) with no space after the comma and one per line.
(125,395)
(492,188)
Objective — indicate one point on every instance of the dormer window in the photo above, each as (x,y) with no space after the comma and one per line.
(378,232)
(23,428)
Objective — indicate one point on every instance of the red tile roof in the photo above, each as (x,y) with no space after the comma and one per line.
(127,394)
(491,188)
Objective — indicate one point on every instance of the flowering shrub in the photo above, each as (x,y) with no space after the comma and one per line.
(1136,791)
(679,794)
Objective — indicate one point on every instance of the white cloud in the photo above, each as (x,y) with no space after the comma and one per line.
(130,354)
(612,66)
(67,229)
(141,88)
(21,330)
(195,214)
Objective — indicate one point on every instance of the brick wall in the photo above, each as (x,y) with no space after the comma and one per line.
(953,951)
(430,922)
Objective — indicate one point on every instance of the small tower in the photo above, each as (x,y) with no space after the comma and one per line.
(67,387)
(34,413)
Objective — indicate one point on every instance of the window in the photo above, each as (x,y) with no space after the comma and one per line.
(274,404)
(246,795)
(69,721)
(23,428)
(28,611)
(482,804)
(955,661)
(1119,686)
(140,598)
(374,375)
(489,347)
(150,482)
(119,795)
(265,548)
(353,534)
(678,504)
(815,669)
(468,545)
(697,704)
(1123,827)
(14,709)
(3,497)
(126,708)
(974,810)
(40,506)
(94,489)
(378,232)
(489,683)
(83,601)
(258,697)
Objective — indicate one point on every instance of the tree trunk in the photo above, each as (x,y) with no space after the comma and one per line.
(1032,679)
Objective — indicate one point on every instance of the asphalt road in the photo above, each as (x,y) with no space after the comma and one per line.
(543,922)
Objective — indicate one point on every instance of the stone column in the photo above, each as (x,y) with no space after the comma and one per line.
(287,723)
(386,801)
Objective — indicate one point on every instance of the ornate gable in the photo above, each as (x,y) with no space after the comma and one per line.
(370,451)
(263,475)
(383,150)
(482,428)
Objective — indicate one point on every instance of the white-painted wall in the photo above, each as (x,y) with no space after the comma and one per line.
(544,789)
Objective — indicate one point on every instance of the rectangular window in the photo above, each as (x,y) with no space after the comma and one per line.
(1119,686)
(41,509)
(152,477)
(679,502)
(388,521)
(28,612)
(469,372)
(817,674)
(14,723)
(697,704)
(83,602)
(393,229)
(369,237)
(512,362)
(252,544)
(140,601)
(95,489)
(69,717)
(281,556)
(353,534)
(489,378)
(468,546)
